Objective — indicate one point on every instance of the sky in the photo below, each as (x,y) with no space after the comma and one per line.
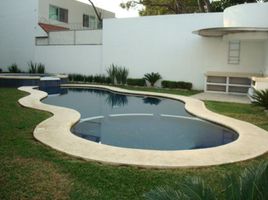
(114,6)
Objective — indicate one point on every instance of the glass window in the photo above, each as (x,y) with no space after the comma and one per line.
(63,17)
(92,22)
(234,52)
(59,14)
(53,12)
(86,21)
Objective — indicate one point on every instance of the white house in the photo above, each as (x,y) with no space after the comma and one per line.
(219,52)
(23,23)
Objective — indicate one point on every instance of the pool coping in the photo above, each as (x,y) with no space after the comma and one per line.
(55,133)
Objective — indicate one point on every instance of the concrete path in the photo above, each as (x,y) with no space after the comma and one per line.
(222,97)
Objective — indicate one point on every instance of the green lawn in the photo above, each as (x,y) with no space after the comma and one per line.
(245,112)
(30,170)
(163,90)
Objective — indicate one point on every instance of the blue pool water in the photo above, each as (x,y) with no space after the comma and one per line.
(138,121)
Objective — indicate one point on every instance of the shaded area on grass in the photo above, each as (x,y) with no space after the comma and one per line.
(30,170)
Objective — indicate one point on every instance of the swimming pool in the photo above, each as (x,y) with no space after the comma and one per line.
(55,132)
(139,122)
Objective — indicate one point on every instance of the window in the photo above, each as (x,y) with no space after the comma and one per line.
(59,14)
(85,21)
(234,52)
(92,22)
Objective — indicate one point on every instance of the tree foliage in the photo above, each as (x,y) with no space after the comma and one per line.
(162,7)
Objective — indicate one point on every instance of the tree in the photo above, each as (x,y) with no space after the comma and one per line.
(98,14)
(161,7)
(219,6)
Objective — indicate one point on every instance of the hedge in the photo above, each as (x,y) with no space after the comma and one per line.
(177,84)
(89,79)
(136,81)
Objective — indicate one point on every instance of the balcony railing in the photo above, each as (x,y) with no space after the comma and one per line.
(70,26)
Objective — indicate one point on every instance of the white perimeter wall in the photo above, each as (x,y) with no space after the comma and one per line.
(83,59)
(18,20)
(83,37)
(266,59)
(165,44)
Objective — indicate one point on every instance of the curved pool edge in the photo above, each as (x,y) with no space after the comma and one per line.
(55,132)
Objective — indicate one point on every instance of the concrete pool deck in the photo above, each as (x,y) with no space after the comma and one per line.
(55,132)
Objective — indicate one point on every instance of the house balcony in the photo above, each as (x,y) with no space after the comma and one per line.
(71,37)
(57,33)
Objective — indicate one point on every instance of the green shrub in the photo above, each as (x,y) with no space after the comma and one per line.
(76,77)
(35,68)
(117,74)
(32,68)
(14,68)
(184,85)
(121,76)
(89,79)
(179,84)
(112,72)
(136,81)
(261,98)
(101,79)
(251,184)
(152,78)
(71,77)
(41,68)
(169,84)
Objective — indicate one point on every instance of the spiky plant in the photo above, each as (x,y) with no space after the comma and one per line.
(35,68)
(251,184)
(189,188)
(41,68)
(14,68)
(112,71)
(32,68)
(152,78)
(121,75)
(261,98)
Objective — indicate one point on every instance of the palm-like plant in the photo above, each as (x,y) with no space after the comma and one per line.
(152,78)
(261,98)
(251,184)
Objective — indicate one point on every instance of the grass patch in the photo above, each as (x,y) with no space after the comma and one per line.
(30,170)
(163,90)
(246,112)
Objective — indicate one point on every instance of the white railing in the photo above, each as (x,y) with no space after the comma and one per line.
(70,26)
